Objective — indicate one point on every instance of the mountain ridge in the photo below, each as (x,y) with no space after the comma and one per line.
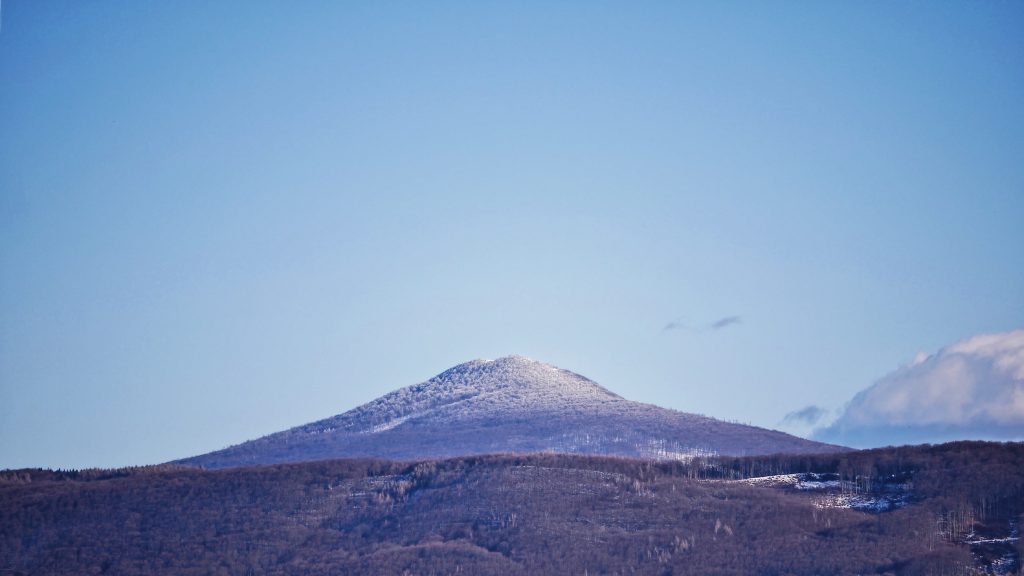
(510,404)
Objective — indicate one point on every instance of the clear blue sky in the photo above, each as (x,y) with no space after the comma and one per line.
(222,219)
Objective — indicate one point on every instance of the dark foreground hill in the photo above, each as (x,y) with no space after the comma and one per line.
(950,509)
(513,404)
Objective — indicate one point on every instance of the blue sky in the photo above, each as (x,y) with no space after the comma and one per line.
(219,220)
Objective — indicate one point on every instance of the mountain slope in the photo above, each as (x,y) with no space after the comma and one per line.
(530,515)
(512,404)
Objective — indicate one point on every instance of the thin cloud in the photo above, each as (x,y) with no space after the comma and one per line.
(725,322)
(808,416)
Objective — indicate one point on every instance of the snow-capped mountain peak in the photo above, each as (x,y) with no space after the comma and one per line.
(516,372)
(478,388)
(511,404)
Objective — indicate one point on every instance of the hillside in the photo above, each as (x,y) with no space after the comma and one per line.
(512,404)
(950,509)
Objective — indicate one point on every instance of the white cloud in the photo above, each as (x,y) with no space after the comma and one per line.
(971,389)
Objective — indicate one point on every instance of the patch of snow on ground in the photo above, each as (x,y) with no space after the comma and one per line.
(777,481)
(686,455)
(805,481)
(388,425)
(835,493)
(1008,540)
(862,502)
(1008,560)
(818,485)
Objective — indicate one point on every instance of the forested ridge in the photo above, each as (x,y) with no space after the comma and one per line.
(951,509)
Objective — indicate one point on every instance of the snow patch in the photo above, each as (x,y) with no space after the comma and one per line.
(863,502)
(387,425)
(805,481)
(776,481)
(834,493)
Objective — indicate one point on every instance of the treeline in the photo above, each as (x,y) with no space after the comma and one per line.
(509,514)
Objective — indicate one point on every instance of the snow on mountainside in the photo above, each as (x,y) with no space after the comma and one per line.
(512,404)
(507,386)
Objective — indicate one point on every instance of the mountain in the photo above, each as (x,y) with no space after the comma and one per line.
(512,404)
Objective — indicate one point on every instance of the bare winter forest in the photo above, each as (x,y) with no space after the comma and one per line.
(947,509)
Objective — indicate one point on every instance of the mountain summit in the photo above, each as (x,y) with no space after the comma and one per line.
(512,404)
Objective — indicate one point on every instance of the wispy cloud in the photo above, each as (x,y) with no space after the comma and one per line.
(679,324)
(808,416)
(725,322)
